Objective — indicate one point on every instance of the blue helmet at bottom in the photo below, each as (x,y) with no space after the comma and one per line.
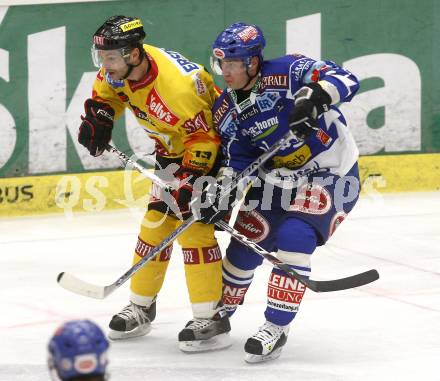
(77,348)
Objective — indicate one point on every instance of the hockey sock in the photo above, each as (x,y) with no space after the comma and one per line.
(235,284)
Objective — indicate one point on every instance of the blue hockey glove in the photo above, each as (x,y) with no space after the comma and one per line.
(95,131)
(310,102)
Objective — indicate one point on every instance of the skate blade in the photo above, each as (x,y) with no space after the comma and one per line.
(215,343)
(253,359)
(122,335)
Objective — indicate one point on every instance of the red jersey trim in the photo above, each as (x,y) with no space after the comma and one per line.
(148,78)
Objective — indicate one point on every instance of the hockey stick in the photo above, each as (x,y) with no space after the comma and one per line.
(78,286)
(141,169)
(315,285)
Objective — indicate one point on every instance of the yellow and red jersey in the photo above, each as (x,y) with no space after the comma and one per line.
(172,103)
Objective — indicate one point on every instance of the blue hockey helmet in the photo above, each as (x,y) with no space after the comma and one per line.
(238,41)
(77,348)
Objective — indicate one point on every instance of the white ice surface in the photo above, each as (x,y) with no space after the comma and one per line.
(389,330)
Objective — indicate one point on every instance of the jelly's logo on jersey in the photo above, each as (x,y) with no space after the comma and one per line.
(261,129)
(159,109)
(249,33)
(221,111)
(312,199)
(323,137)
(184,65)
(295,159)
(199,84)
(253,225)
(196,123)
(277,81)
(131,25)
(299,66)
(268,100)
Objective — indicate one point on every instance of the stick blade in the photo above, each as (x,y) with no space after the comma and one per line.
(353,281)
(80,287)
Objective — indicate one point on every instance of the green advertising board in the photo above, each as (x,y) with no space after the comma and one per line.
(46,71)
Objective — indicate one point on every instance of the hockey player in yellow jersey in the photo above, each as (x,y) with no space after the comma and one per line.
(171,98)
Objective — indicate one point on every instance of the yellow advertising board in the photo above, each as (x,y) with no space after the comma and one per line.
(84,192)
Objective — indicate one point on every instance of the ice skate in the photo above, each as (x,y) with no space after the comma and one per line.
(200,335)
(132,321)
(267,343)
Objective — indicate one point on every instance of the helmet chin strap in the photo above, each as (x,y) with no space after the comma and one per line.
(131,66)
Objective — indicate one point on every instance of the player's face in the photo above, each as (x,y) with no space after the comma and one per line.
(233,70)
(234,73)
(112,61)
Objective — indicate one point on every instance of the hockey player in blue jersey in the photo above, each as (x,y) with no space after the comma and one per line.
(78,351)
(305,191)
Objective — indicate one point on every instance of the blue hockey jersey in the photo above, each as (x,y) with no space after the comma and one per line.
(252,126)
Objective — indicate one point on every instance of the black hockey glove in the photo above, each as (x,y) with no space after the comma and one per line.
(217,208)
(96,128)
(183,194)
(310,102)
